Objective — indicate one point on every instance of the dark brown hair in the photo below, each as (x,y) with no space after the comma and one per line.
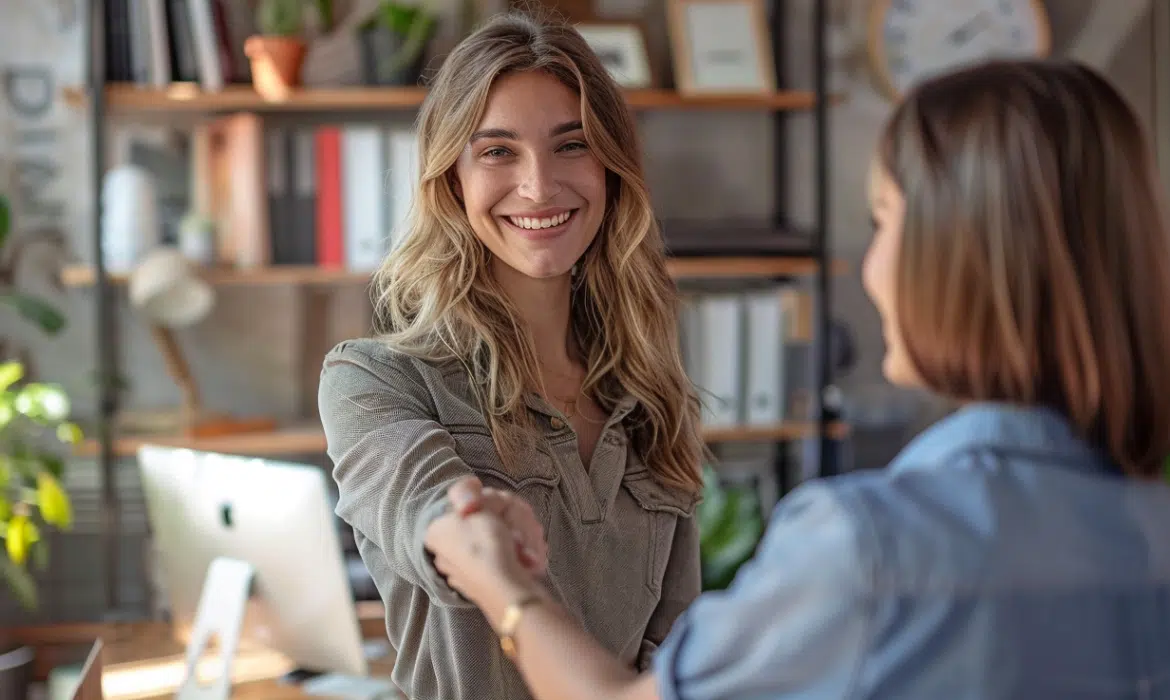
(1035,259)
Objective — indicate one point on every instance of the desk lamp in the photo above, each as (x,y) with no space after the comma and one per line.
(168,292)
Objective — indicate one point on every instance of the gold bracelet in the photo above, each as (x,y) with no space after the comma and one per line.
(512,615)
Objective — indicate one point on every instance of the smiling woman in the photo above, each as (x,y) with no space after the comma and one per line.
(527,339)
(533,191)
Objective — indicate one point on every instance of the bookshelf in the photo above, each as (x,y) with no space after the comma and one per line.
(308,438)
(308,275)
(762,258)
(130,99)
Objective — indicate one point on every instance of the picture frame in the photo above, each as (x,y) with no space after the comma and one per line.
(622,47)
(721,47)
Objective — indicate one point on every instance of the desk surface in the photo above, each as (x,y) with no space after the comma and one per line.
(143,661)
(147,663)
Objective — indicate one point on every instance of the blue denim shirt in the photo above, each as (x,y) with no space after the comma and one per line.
(998,557)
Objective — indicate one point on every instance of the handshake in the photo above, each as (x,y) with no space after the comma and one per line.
(489,543)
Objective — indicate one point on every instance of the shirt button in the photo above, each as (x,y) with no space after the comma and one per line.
(556,423)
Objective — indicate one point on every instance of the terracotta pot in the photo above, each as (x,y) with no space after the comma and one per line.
(276,64)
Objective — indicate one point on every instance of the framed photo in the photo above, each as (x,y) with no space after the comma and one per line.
(721,47)
(621,46)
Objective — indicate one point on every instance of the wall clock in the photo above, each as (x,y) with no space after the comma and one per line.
(910,40)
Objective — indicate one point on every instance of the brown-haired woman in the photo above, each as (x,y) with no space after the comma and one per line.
(1020,547)
(526,336)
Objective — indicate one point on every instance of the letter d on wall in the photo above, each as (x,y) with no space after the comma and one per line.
(29,90)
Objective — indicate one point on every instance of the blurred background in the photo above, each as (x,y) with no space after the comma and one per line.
(254,158)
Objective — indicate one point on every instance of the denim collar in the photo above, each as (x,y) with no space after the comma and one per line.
(1007,429)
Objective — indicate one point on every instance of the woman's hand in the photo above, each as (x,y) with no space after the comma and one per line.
(469,496)
(478,555)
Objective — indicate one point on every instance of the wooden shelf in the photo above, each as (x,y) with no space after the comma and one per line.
(85,276)
(789,430)
(306,275)
(187,97)
(310,438)
(295,439)
(744,266)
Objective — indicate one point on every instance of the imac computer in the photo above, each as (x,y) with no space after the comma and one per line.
(248,549)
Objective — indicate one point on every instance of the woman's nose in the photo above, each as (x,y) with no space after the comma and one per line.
(539,183)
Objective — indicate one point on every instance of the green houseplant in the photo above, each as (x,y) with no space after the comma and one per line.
(393,41)
(277,53)
(33,416)
(731,523)
(34,424)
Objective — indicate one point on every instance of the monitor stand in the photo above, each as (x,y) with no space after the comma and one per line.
(223,603)
(220,615)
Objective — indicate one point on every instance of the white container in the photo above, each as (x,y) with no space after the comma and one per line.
(130,219)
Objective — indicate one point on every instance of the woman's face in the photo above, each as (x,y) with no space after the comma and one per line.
(533,191)
(887,208)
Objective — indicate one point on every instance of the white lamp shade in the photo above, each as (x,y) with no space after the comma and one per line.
(166,289)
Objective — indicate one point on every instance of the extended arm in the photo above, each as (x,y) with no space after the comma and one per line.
(793,624)
(393,461)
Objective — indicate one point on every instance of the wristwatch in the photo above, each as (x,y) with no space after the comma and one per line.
(512,615)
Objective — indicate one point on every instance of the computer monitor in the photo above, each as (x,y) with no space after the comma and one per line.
(248,548)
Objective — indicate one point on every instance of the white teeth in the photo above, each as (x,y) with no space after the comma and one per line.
(536,224)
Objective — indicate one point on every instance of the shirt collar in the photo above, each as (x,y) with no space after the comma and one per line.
(623,407)
(1004,428)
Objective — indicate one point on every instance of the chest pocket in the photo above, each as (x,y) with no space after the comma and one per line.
(662,507)
(531,474)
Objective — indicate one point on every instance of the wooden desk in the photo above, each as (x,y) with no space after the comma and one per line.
(143,661)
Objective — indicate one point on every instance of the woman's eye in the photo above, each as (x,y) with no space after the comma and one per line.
(496,152)
(574,146)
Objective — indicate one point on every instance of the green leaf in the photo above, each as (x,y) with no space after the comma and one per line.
(280,17)
(325,12)
(69,433)
(40,556)
(5,220)
(731,523)
(52,464)
(20,581)
(43,402)
(20,461)
(10,373)
(56,509)
(39,311)
(711,511)
(738,545)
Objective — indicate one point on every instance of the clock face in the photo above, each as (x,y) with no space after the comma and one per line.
(913,39)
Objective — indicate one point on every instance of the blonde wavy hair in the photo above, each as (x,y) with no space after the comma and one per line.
(435,297)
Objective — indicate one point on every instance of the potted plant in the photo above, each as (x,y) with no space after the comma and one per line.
(392,43)
(34,423)
(32,416)
(731,523)
(277,53)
